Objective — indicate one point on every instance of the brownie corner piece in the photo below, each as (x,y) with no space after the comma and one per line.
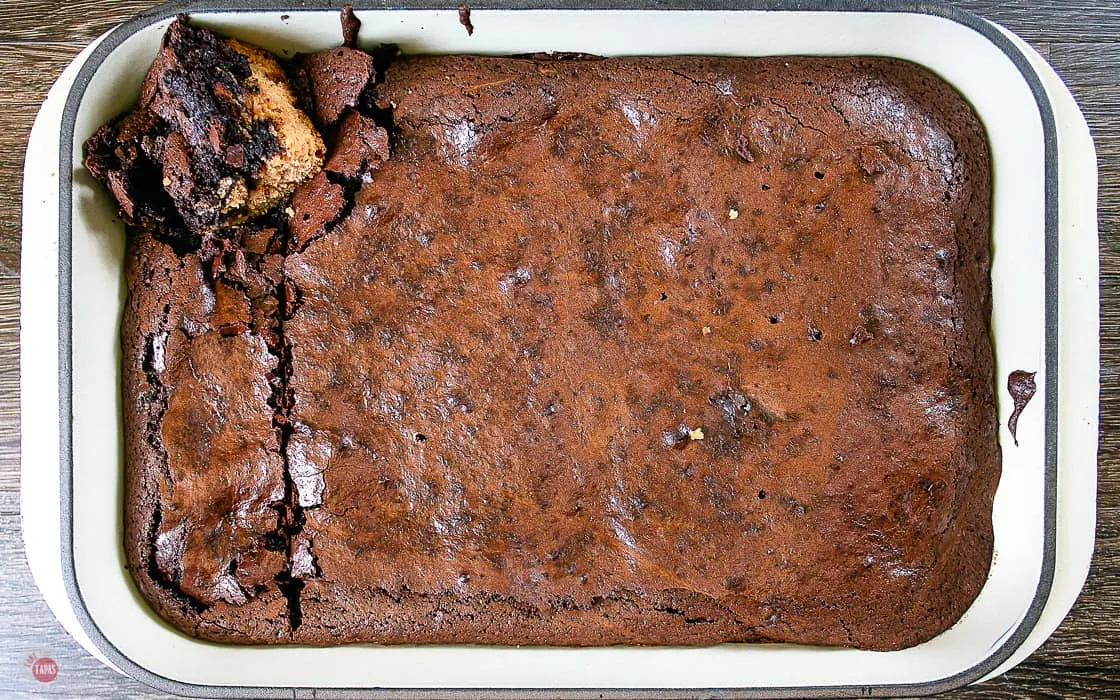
(216,140)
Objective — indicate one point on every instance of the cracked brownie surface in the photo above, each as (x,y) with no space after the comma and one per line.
(592,351)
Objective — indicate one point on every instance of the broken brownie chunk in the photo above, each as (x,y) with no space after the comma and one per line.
(216,139)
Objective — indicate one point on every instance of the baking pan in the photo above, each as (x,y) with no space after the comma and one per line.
(1045,319)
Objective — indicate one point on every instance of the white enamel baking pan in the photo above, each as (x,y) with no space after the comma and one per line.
(1044,276)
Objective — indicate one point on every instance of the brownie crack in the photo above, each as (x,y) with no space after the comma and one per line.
(291,515)
(156,396)
(157,575)
(796,119)
(350,187)
(157,393)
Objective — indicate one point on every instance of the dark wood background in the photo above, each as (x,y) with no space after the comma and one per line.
(1081,39)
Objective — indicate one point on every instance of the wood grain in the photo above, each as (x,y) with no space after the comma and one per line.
(26,73)
(1081,39)
(9,408)
(1087,63)
(45,20)
(1073,21)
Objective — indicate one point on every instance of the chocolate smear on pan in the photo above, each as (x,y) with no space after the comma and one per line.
(1021,386)
(559,56)
(465,18)
(350,26)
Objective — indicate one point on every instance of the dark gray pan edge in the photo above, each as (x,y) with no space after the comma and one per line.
(65,349)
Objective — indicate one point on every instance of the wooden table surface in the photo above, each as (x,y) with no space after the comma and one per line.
(1081,39)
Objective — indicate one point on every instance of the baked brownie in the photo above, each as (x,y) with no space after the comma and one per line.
(218,127)
(204,470)
(578,352)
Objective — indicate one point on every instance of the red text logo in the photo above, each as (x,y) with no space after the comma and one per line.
(43,668)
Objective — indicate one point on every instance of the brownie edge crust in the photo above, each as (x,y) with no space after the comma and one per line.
(674,350)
